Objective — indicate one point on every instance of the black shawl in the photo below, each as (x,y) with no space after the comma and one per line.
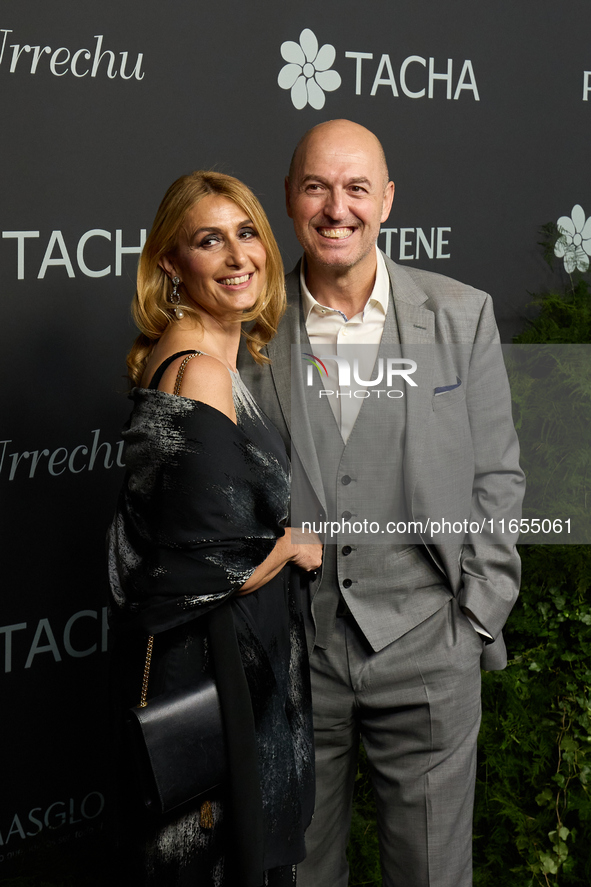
(201,507)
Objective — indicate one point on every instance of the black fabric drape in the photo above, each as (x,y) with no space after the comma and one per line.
(201,507)
(245,789)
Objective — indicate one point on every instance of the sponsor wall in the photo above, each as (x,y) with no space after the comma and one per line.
(484,111)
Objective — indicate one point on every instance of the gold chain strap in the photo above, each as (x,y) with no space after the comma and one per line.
(144,696)
(181,372)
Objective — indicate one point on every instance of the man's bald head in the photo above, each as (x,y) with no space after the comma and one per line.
(344,131)
(338,194)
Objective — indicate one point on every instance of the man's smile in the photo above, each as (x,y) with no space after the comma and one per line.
(336,233)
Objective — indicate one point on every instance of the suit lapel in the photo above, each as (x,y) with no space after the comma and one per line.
(416,327)
(279,351)
(288,378)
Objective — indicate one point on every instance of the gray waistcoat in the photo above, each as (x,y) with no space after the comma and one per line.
(364,480)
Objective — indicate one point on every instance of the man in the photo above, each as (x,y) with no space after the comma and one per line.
(396,631)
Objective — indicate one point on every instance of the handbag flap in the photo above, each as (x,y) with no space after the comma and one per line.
(182,747)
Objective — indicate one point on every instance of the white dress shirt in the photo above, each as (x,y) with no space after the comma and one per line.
(330,332)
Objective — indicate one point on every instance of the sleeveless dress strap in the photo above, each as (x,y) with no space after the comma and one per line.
(165,364)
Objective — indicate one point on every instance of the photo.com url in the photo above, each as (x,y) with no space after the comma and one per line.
(436,528)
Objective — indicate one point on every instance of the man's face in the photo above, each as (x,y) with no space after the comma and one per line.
(338,195)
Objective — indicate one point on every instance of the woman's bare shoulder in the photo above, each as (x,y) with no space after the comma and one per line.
(205,379)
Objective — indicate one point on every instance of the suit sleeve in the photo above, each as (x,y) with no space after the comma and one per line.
(489,562)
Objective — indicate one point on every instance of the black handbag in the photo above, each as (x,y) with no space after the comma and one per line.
(178,744)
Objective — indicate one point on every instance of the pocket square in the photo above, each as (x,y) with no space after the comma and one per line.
(445,388)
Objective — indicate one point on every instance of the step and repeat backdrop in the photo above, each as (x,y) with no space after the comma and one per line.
(484,111)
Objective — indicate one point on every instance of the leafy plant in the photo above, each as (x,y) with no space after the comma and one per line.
(533,799)
(564,313)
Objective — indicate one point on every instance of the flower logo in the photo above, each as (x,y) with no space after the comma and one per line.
(307,72)
(574,243)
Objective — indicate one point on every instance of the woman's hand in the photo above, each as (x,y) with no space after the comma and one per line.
(290,547)
(306,549)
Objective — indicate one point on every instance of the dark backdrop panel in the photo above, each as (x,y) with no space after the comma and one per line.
(85,161)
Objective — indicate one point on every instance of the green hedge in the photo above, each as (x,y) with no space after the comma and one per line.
(532,819)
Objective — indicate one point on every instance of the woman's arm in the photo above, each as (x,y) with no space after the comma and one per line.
(207,380)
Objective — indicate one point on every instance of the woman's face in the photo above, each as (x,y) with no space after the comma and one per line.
(220,259)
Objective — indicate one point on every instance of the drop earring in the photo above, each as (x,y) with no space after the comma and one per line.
(175,299)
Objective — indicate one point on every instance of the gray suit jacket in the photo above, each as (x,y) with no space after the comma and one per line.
(461,452)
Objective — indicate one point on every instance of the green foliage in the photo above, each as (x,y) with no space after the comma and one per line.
(533,800)
(565,317)
(565,314)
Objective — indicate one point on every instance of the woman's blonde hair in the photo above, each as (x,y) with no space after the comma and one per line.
(150,308)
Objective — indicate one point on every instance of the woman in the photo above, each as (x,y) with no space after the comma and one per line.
(199,535)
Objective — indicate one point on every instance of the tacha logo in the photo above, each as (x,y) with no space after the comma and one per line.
(307,73)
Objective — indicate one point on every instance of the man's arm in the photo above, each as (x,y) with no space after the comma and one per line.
(489,562)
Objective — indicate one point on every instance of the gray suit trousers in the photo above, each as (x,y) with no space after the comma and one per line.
(416,706)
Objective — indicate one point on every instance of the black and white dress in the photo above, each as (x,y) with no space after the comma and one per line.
(202,505)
